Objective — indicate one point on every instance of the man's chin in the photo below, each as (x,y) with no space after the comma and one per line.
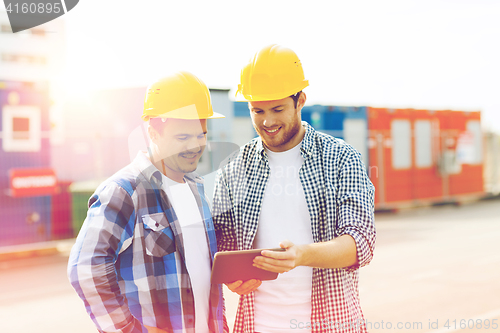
(272,143)
(190,168)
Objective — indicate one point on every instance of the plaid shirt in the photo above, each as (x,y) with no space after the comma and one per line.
(339,198)
(128,262)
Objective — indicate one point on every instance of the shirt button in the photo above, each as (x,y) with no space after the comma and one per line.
(188,291)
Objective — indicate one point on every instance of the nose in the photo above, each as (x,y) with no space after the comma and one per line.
(269,120)
(195,144)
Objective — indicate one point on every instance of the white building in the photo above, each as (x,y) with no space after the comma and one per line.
(32,55)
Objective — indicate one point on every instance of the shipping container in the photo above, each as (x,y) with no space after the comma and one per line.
(420,157)
(27,181)
(344,122)
(413,157)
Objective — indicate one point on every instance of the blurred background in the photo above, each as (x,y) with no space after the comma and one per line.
(412,85)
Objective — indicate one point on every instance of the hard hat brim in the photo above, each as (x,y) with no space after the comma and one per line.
(181,115)
(240,97)
(216,116)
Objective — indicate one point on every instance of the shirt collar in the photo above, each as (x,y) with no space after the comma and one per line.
(307,143)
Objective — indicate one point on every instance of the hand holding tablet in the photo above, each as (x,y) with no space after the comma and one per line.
(231,266)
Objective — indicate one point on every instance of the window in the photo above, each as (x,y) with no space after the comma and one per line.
(356,134)
(401,144)
(21,128)
(23,58)
(470,145)
(38,32)
(34,31)
(423,144)
(5,28)
(474,127)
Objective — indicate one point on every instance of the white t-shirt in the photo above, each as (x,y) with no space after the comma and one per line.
(195,247)
(284,215)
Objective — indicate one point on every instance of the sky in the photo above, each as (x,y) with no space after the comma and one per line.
(431,54)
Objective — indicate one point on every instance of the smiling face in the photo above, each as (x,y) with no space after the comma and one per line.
(278,122)
(179,145)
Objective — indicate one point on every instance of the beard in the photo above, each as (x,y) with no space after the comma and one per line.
(288,132)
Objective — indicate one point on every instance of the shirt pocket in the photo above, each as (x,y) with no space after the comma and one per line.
(158,236)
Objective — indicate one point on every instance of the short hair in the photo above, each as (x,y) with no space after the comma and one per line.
(158,124)
(295,98)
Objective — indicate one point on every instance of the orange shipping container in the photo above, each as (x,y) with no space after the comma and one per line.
(421,156)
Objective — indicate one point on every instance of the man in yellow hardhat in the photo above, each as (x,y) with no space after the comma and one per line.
(142,260)
(301,190)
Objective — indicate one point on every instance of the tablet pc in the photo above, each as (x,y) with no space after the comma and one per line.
(230,266)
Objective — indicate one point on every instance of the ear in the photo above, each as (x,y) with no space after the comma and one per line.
(302,101)
(153,134)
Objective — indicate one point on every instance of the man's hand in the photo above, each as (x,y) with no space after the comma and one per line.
(277,261)
(244,288)
(339,252)
(155,329)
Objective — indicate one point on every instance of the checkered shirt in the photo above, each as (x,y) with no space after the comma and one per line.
(128,263)
(339,198)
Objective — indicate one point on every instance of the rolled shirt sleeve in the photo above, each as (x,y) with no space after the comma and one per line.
(355,203)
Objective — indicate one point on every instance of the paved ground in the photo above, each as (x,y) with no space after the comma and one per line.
(435,265)
(431,265)
(36,297)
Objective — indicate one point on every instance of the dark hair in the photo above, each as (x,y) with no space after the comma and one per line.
(295,98)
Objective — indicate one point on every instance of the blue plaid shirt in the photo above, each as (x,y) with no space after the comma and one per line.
(128,263)
(339,198)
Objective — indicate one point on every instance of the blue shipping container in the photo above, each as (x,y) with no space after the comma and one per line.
(24,120)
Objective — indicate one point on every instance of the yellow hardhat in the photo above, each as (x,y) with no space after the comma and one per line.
(180,95)
(275,72)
